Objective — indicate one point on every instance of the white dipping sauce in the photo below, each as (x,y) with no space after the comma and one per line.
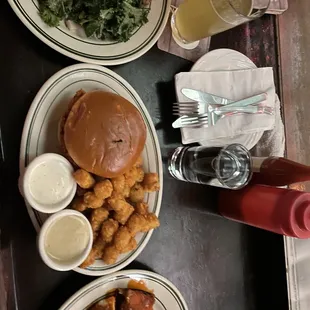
(67,238)
(50,182)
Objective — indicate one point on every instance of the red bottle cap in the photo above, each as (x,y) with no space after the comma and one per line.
(297,204)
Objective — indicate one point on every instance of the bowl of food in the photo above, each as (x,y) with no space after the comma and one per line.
(65,240)
(48,184)
(110,141)
(128,289)
(100,32)
(103,135)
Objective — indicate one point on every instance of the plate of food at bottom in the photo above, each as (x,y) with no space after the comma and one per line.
(128,289)
(95,119)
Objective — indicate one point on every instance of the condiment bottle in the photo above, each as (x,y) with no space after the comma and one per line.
(278,171)
(283,211)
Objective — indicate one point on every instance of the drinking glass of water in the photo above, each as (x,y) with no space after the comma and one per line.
(194,20)
(226,167)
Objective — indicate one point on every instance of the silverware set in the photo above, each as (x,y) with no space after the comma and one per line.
(207,109)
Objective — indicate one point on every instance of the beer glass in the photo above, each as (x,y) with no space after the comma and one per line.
(194,20)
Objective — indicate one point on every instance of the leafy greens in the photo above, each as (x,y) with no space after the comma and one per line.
(101,19)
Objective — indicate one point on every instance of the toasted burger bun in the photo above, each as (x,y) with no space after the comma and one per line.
(103,133)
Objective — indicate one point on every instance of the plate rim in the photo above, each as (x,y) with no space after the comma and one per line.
(227,50)
(218,50)
(85,59)
(159,277)
(22,160)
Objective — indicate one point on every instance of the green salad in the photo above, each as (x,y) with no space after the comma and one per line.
(100,19)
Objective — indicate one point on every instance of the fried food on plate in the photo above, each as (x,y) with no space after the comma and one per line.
(136,193)
(103,189)
(151,182)
(117,204)
(122,209)
(123,242)
(132,245)
(110,254)
(108,230)
(122,238)
(78,204)
(142,208)
(142,223)
(135,223)
(139,174)
(127,190)
(95,253)
(92,200)
(84,179)
(152,222)
(118,184)
(123,216)
(135,174)
(97,217)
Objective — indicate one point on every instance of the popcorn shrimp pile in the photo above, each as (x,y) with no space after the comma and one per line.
(116,210)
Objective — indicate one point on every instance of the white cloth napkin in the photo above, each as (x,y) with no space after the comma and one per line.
(233,85)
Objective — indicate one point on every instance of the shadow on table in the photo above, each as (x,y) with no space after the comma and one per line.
(190,196)
(75,282)
(166,95)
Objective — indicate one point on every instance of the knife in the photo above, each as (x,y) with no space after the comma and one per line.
(207,98)
(204,97)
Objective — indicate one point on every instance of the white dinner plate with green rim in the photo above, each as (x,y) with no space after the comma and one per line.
(40,135)
(167,296)
(91,50)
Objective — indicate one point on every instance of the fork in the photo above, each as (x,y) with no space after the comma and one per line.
(202,120)
(203,108)
(185,108)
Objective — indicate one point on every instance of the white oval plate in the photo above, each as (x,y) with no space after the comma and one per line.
(40,135)
(227,60)
(167,295)
(90,50)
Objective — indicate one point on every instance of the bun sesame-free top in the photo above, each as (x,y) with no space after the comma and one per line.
(104,133)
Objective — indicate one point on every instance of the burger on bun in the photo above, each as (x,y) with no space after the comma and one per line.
(103,133)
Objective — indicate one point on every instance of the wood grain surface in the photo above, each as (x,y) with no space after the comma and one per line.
(294,46)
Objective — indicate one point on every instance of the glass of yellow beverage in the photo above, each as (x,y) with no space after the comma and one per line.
(194,20)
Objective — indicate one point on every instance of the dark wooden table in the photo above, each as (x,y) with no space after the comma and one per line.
(216,264)
(294,46)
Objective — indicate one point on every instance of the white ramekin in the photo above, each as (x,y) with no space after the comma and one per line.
(58,265)
(48,208)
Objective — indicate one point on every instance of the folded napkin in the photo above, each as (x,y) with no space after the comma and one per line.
(272,143)
(233,85)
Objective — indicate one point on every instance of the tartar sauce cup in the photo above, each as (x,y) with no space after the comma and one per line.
(48,184)
(65,240)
